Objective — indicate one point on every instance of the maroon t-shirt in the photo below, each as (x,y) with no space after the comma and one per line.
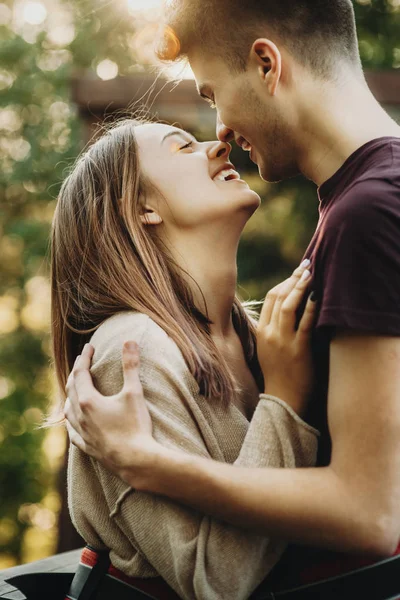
(355,255)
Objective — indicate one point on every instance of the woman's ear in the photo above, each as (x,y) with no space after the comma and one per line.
(150,217)
(268,60)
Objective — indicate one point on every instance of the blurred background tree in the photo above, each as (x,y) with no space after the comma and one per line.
(43,43)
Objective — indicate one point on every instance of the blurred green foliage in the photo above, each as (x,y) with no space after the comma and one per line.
(43,44)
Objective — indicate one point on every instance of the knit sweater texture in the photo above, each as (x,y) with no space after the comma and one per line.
(200,557)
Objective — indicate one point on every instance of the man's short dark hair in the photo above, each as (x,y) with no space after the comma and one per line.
(318,33)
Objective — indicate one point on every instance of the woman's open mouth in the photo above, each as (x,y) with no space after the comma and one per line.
(227,175)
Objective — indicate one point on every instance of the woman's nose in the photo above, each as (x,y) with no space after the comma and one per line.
(219,149)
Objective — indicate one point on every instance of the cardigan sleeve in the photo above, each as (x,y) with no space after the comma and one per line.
(200,557)
(278,437)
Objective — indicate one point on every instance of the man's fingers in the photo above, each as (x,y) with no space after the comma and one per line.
(130,366)
(82,378)
(72,418)
(75,438)
(72,402)
(307,321)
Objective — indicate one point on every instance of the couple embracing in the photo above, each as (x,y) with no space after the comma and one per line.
(217,454)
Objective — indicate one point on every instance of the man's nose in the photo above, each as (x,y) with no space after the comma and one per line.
(224,134)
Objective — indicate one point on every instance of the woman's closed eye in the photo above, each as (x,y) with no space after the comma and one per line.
(188,145)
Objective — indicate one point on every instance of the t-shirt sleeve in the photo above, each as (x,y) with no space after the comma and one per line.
(358,265)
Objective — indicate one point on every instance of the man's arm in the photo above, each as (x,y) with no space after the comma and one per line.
(351,505)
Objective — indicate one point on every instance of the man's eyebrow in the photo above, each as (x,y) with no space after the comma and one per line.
(178,132)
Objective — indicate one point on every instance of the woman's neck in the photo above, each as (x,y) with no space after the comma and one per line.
(209,266)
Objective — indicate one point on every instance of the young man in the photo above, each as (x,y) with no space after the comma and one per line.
(286,79)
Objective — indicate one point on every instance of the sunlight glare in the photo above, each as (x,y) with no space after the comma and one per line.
(144,5)
(34,13)
(5,14)
(179,71)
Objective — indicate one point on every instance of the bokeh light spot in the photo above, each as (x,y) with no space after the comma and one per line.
(5,14)
(6,387)
(34,13)
(107,69)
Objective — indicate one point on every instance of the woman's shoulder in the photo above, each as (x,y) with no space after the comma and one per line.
(128,323)
(154,343)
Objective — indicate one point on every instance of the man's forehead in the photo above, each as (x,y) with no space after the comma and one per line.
(207,70)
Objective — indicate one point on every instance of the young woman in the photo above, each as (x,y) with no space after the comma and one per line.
(144,245)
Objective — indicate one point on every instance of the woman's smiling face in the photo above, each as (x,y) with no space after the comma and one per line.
(197,184)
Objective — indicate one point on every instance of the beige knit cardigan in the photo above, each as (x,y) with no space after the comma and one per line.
(201,558)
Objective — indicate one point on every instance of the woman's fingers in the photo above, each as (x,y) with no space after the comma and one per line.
(268,306)
(130,366)
(286,290)
(287,318)
(308,319)
(273,302)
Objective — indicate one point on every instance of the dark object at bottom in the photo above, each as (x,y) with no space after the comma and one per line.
(377,582)
(55,586)
(43,586)
(380,581)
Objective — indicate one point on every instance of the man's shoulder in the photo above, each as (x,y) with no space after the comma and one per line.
(371,199)
(371,180)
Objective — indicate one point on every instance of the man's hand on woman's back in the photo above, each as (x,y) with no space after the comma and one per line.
(116,430)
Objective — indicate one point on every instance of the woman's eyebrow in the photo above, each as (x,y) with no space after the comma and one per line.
(178,132)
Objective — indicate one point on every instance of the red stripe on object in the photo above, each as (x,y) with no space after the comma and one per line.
(89,557)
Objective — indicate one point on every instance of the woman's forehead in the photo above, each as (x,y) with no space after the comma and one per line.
(154,132)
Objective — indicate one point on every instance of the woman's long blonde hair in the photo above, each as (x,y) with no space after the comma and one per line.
(104,260)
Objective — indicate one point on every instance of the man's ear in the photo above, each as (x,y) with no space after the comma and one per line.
(150,216)
(268,59)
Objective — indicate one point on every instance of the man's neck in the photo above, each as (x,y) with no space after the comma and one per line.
(339,122)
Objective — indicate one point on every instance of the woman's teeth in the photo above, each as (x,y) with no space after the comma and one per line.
(227,175)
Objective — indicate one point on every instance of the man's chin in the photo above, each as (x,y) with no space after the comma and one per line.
(274,173)
(267,173)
